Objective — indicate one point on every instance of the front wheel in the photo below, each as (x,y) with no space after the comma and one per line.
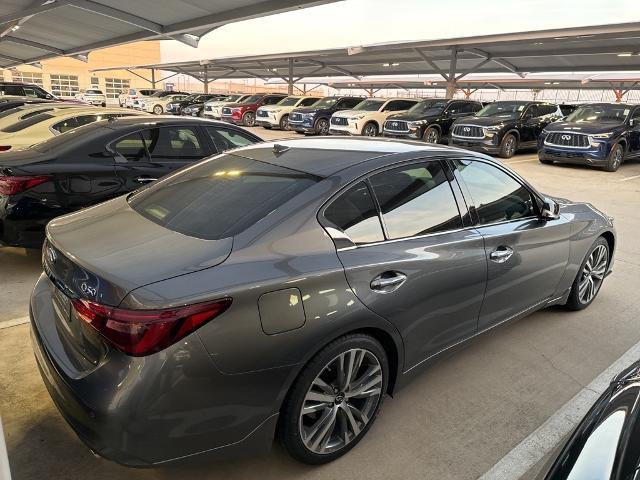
(284,123)
(322,127)
(590,276)
(157,109)
(431,135)
(370,130)
(335,400)
(249,119)
(508,146)
(615,158)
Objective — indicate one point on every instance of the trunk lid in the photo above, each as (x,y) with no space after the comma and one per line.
(20,160)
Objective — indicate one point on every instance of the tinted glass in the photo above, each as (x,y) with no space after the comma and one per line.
(131,147)
(173,143)
(289,101)
(503,110)
(271,100)
(354,213)
(65,125)
(307,102)
(12,90)
(349,103)
(428,107)
(497,196)
(94,92)
(399,105)
(416,200)
(220,197)
(227,139)
(548,109)
(600,113)
(252,99)
(369,105)
(326,102)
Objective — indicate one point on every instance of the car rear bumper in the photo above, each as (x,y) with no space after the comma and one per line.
(165,408)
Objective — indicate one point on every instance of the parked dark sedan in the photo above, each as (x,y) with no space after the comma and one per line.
(429,120)
(292,284)
(502,128)
(315,120)
(176,108)
(598,134)
(606,444)
(97,162)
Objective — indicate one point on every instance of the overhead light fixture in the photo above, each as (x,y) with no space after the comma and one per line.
(555,83)
(386,64)
(547,83)
(538,43)
(627,54)
(395,64)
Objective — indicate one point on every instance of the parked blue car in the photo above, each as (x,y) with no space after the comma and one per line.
(314,120)
(599,134)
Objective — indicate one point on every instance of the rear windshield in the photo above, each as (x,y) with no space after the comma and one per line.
(94,92)
(219,198)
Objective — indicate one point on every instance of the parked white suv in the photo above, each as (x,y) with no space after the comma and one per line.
(158,105)
(368,117)
(213,108)
(270,116)
(92,96)
(132,97)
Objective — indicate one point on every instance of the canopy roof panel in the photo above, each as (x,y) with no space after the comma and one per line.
(31,31)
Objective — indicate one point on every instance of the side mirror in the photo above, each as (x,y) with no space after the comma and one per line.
(550,209)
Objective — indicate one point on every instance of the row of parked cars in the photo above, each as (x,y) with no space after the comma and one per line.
(302,250)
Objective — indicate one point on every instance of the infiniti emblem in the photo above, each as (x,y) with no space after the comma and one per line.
(394,124)
(467,129)
(566,137)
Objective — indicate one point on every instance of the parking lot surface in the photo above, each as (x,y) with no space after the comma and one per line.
(455,421)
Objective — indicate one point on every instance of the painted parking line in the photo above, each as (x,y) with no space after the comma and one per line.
(629,178)
(546,437)
(5,473)
(14,322)
(522,161)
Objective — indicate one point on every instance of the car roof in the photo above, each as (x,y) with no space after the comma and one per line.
(160,120)
(325,156)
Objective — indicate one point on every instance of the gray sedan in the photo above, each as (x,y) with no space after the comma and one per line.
(292,285)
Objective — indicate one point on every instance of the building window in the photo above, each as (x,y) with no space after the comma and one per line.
(95,82)
(115,86)
(64,85)
(27,77)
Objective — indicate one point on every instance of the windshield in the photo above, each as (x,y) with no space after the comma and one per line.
(428,107)
(289,101)
(502,109)
(94,92)
(369,105)
(220,197)
(600,113)
(231,98)
(325,102)
(252,99)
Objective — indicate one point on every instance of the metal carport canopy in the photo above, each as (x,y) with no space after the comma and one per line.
(595,48)
(31,31)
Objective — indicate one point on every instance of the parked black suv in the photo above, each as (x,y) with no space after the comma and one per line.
(429,120)
(177,107)
(599,134)
(314,120)
(501,128)
(24,90)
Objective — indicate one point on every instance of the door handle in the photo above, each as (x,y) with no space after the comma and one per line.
(145,179)
(388,282)
(501,254)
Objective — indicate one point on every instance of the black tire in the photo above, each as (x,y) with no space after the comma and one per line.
(574,301)
(431,135)
(268,127)
(545,162)
(370,130)
(249,119)
(322,126)
(290,422)
(508,146)
(616,157)
(284,123)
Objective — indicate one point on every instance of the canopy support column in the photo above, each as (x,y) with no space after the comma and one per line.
(153,78)
(290,78)
(205,80)
(451,81)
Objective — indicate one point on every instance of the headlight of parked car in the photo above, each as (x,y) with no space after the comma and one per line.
(602,135)
(490,131)
(418,123)
(356,117)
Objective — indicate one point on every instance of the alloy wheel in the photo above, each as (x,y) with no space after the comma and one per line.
(593,274)
(432,137)
(323,127)
(249,119)
(617,157)
(510,146)
(370,130)
(157,109)
(341,401)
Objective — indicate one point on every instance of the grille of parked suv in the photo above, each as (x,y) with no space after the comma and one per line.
(339,121)
(262,113)
(564,139)
(396,125)
(226,111)
(468,131)
(295,117)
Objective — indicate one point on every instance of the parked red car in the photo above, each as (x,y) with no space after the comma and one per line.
(244,113)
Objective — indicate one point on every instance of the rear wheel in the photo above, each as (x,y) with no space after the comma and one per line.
(590,276)
(322,126)
(284,123)
(335,400)
(249,119)
(615,158)
(508,146)
(370,130)
(431,135)
(157,109)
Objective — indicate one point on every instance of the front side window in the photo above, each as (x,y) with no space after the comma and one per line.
(416,200)
(271,100)
(399,105)
(225,139)
(172,143)
(354,213)
(289,101)
(348,103)
(307,102)
(221,197)
(497,196)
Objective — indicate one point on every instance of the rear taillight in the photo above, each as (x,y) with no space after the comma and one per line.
(12,185)
(142,332)
(5,148)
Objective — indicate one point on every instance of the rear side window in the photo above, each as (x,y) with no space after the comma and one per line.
(355,214)
(225,139)
(219,198)
(271,100)
(416,200)
(173,143)
(498,197)
(348,103)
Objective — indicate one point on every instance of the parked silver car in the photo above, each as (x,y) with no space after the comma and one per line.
(293,284)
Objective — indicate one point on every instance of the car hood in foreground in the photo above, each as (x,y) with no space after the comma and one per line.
(121,250)
(585,127)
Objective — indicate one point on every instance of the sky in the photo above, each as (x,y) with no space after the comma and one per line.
(361,22)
